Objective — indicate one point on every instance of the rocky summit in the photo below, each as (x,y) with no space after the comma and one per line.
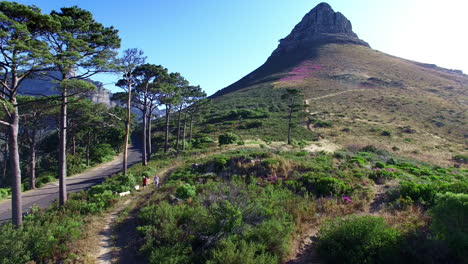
(320,25)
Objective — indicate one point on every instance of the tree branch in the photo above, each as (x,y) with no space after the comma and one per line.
(4,123)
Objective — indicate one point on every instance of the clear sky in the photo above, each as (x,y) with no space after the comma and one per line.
(213,43)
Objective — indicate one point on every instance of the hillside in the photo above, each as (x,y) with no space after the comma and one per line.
(365,96)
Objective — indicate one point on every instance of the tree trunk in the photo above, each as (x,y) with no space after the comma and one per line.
(289,126)
(16,203)
(178,128)
(185,127)
(74,145)
(63,150)
(191,127)
(32,162)
(88,146)
(6,159)
(150,115)
(127,130)
(144,157)
(166,139)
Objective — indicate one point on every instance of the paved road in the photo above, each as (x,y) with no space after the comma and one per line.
(46,195)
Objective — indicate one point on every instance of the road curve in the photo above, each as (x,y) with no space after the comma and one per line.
(45,195)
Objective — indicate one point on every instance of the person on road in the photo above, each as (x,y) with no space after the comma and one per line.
(145,181)
(156,181)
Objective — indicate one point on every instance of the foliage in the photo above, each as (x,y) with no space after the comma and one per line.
(102,153)
(186,191)
(461,158)
(357,239)
(450,220)
(232,251)
(228,138)
(4,193)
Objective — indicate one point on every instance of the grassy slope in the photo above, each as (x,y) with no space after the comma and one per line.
(368,92)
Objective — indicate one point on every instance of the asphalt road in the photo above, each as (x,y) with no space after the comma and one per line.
(45,195)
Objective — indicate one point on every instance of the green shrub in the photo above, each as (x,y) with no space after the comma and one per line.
(202,142)
(324,186)
(102,153)
(186,191)
(42,237)
(323,124)
(330,186)
(4,193)
(423,193)
(358,160)
(230,251)
(380,165)
(252,124)
(380,176)
(275,234)
(177,254)
(357,239)
(461,158)
(227,217)
(450,222)
(228,138)
(386,133)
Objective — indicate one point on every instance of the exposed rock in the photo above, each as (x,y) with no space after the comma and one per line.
(320,25)
(45,86)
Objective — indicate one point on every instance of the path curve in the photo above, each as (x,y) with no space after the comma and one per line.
(44,196)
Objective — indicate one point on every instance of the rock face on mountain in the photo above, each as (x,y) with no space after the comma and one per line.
(45,86)
(320,25)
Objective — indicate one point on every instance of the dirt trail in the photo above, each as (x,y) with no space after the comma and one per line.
(105,237)
(112,242)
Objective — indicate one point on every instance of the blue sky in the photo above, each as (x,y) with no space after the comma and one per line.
(213,43)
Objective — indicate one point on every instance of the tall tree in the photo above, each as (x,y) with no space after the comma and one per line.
(147,78)
(81,48)
(192,97)
(130,60)
(21,54)
(34,114)
(170,96)
(293,101)
(195,110)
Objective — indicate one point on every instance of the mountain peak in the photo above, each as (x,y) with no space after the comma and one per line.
(321,25)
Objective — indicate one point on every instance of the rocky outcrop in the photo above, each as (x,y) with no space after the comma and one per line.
(321,25)
(44,85)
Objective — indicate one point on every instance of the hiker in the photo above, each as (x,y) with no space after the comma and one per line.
(145,181)
(156,181)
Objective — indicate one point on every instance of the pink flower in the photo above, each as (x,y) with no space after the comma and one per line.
(301,72)
(347,199)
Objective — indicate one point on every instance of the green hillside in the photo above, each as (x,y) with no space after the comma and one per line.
(368,97)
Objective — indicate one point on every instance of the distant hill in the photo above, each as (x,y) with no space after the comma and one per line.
(366,96)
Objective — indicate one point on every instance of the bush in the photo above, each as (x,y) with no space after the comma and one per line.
(380,176)
(4,193)
(357,239)
(461,158)
(253,124)
(186,191)
(230,251)
(423,193)
(322,124)
(450,222)
(228,138)
(202,142)
(386,133)
(102,153)
(324,186)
